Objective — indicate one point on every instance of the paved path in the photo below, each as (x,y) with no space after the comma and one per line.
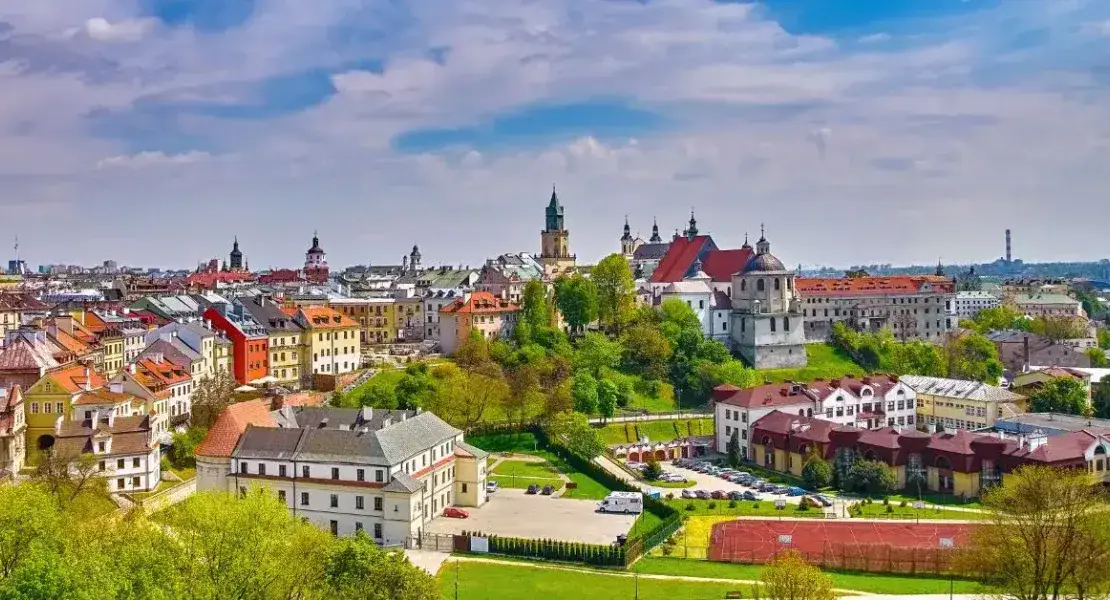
(527,458)
(429,560)
(653,417)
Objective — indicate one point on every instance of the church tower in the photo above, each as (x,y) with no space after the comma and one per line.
(767,320)
(236,257)
(655,239)
(628,245)
(555,253)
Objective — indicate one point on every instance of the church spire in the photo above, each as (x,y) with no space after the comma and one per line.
(655,239)
(746,244)
(627,237)
(692,230)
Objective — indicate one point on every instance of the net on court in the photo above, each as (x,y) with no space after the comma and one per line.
(862,545)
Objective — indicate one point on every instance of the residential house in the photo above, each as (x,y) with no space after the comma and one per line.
(375,317)
(1018,350)
(1046,305)
(492,316)
(250,341)
(386,473)
(408,315)
(506,275)
(13,431)
(169,347)
(170,382)
(912,306)
(50,399)
(198,335)
(958,462)
(960,404)
(332,340)
(1032,381)
(285,340)
(13,307)
(173,308)
(867,402)
(25,358)
(125,448)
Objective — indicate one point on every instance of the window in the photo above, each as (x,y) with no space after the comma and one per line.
(358,525)
(135,462)
(335,472)
(777,285)
(772,324)
(334,527)
(304,498)
(378,530)
(46,407)
(281,471)
(359,502)
(120,484)
(34,408)
(759,285)
(101,466)
(334,501)
(786,323)
(60,407)
(304,471)
(135,482)
(361,474)
(378,475)
(100,446)
(378,504)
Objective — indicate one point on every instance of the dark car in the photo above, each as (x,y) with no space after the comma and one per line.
(750,495)
(768,487)
(532,489)
(822,499)
(735,496)
(548,490)
(702,494)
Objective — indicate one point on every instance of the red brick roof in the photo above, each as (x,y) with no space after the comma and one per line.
(721,265)
(480,302)
(681,254)
(231,424)
(72,379)
(863,286)
(775,394)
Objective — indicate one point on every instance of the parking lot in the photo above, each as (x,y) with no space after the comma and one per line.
(512,513)
(712,483)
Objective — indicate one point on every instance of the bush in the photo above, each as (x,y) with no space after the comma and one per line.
(886,501)
(902,504)
(889,508)
(670,495)
(690,506)
(712,505)
(732,504)
(756,506)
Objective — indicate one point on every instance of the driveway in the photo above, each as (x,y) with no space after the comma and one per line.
(512,513)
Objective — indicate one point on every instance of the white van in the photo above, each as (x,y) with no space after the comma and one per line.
(622,502)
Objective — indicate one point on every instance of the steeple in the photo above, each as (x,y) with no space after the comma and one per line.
(236,256)
(655,239)
(762,246)
(692,230)
(627,237)
(414,259)
(940,269)
(746,244)
(554,212)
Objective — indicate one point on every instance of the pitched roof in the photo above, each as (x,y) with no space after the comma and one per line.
(73,379)
(465,449)
(402,483)
(101,396)
(20,301)
(721,265)
(769,395)
(866,286)
(1057,299)
(22,354)
(480,303)
(232,422)
(651,251)
(958,388)
(680,256)
(321,317)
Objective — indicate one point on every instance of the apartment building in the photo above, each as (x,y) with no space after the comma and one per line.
(250,341)
(332,340)
(287,364)
(960,404)
(387,473)
(126,448)
(13,431)
(492,316)
(910,306)
(866,402)
(970,303)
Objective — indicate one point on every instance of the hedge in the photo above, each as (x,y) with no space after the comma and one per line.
(557,550)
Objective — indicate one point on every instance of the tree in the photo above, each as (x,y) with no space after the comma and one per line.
(30,525)
(354,561)
(1100,399)
(652,470)
(646,351)
(607,396)
(210,397)
(473,353)
(66,475)
(788,577)
(533,306)
(972,356)
(463,399)
(585,393)
(1098,358)
(856,273)
(1046,531)
(1058,328)
(577,434)
(183,450)
(996,318)
(525,394)
(613,279)
(817,472)
(870,477)
(577,300)
(1103,338)
(733,448)
(596,353)
(1064,395)
(680,314)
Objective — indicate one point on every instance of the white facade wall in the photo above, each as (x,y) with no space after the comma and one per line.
(139,472)
(728,417)
(968,304)
(843,408)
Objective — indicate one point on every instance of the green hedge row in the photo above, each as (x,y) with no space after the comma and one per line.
(558,550)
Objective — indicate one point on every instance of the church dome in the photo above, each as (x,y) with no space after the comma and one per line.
(763,263)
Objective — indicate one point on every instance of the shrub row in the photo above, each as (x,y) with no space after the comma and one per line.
(590,554)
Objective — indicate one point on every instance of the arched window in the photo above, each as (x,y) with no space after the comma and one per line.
(789,283)
(801,412)
(943,463)
(772,324)
(809,412)
(759,285)
(777,284)
(785,323)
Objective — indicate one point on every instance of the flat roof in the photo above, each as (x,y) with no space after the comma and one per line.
(1049,422)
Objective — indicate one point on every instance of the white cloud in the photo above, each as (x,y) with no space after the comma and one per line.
(127,30)
(143,160)
(874,38)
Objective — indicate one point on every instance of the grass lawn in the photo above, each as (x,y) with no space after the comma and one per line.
(527,469)
(671,484)
(646,522)
(877,510)
(184,474)
(761,508)
(525,443)
(873,583)
(643,397)
(822,360)
(587,488)
(941,499)
(485,581)
(521,483)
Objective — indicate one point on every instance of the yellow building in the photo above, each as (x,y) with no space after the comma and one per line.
(50,399)
(408,318)
(12,308)
(332,346)
(959,404)
(286,338)
(470,474)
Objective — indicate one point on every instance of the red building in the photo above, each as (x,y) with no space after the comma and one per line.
(279,276)
(250,344)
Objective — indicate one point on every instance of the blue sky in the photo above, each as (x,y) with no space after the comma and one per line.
(895,131)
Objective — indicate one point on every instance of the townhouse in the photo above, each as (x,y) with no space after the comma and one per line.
(13,431)
(332,344)
(197,336)
(376,317)
(958,462)
(24,358)
(867,402)
(959,404)
(250,341)
(387,473)
(287,364)
(169,382)
(50,399)
(125,448)
(492,316)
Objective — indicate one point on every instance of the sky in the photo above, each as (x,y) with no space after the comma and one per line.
(152,132)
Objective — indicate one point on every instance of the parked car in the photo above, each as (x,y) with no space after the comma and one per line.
(750,495)
(492,486)
(455,512)
(636,466)
(702,494)
(735,496)
(768,487)
(532,489)
(548,490)
(674,478)
(822,499)
(689,494)
(718,495)
(780,490)
(795,492)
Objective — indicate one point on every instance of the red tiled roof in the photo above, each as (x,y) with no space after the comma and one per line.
(231,424)
(480,302)
(721,265)
(678,259)
(863,286)
(102,396)
(886,437)
(318,317)
(775,394)
(160,373)
(20,301)
(73,379)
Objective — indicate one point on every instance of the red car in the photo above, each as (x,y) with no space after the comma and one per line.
(455,513)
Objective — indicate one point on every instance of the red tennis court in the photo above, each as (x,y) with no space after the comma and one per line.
(859,545)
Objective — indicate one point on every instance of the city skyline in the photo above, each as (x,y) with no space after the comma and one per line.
(896,133)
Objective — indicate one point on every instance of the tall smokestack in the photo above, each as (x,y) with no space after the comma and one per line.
(1008,255)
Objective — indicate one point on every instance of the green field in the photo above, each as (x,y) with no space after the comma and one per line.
(656,431)
(522,483)
(822,360)
(486,581)
(762,508)
(877,510)
(524,443)
(587,488)
(540,470)
(661,399)
(872,583)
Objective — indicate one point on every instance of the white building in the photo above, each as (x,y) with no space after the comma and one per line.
(867,402)
(384,472)
(766,316)
(713,308)
(125,447)
(968,304)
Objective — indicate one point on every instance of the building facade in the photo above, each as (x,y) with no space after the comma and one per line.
(968,304)
(555,255)
(13,431)
(491,316)
(284,339)
(332,346)
(766,318)
(316,263)
(959,404)
(250,341)
(910,306)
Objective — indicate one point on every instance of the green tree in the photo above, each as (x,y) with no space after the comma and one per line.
(211,395)
(652,470)
(733,448)
(788,577)
(607,396)
(613,279)
(996,318)
(680,314)
(182,451)
(576,433)
(817,472)
(1098,358)
(355,561)
(973,356)
(377,394)
(1064,395)
(646,351)
(525,395)
(577,300)
(1100,399)
(474,352)
(30,527)
(596,353)
(585,393)
(534,311)
(870,477)
(1058,328)
(1104,338)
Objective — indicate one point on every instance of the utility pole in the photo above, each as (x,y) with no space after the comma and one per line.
(456,579)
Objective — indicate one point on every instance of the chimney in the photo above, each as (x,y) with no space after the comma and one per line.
(131,368)
(88,379)
(1025,353)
